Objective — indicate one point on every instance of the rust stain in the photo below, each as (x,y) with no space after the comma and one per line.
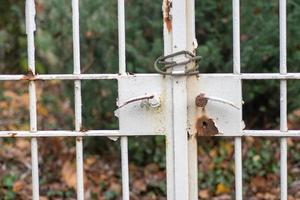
(167,5)
(201,100)
(82,129)
(78,139)
(13,134)
(206,127)
(29,76)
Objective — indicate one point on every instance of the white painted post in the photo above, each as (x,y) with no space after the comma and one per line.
(179,92)
(283,101)
(192,140)
(78,103)
(122,71)
(169,133)
(237,70)
(30,29)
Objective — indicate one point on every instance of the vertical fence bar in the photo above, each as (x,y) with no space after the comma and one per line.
(283,100)
(167,32)
(78,103)
(30,29)
(237,70)
(122,70)
(179,93)
(192,141)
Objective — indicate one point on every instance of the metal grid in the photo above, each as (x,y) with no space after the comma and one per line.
(178,169)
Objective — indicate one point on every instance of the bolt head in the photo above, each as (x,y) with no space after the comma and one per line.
(201,101)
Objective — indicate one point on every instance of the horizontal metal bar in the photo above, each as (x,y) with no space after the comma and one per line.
(245,76)
(271,133)
(63,133)
(16,77)
(117,133)
(257,76)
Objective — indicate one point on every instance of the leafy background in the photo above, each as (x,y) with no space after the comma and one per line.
(144,43)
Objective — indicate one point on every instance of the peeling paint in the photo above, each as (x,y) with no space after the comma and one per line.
(206,127)
(167,5)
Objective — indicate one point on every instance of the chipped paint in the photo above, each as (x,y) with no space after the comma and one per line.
(167,5)
(205,126)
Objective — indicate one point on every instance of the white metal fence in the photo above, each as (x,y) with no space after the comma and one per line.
(177,111)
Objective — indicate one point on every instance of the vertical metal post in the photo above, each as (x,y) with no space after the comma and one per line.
(167,31)
(237,70)
(179,93)
(78,103)
(283,100)
(192,140)
(122,70)
(30,29)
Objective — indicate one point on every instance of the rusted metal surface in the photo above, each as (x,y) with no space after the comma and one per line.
(167,5)
(82,129)
(79,139)
(13,134)
(214,106)
(29,76)
(206,127)
(201,100)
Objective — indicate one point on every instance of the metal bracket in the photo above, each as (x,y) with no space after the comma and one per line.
(214,105)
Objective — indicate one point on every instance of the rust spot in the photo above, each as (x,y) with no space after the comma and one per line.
(206,127)
(13,134)
(29,76)
(167,4)
(82,129)
(201,100)
(78,139)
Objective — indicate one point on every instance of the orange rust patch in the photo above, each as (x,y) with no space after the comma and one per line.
(167,4)
(29,76)
(201,101)
(206,127)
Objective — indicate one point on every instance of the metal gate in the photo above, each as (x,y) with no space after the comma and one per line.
(180,104)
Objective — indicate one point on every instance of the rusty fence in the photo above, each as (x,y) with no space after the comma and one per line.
(155,104)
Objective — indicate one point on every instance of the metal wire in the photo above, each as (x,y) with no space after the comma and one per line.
(162,63)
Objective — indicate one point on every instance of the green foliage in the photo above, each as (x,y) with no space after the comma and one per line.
(7,184)
(12,37)
(109,195)
(145,150)
(261,160)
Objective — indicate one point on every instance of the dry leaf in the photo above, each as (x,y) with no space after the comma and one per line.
(22,144)
(116,187)
(140,185)
(90,161)
(221,189)
(203,194)
(68,173)
(18,186)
